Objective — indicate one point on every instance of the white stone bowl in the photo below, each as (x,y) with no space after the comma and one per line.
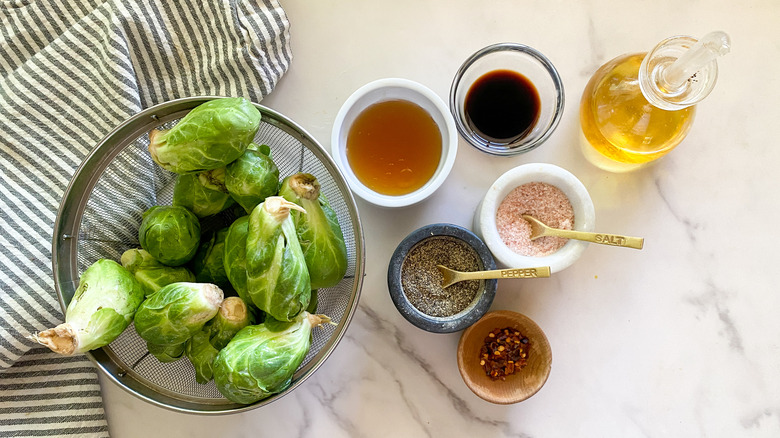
(584,215)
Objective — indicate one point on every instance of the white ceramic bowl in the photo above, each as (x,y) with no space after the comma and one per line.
(394,89)
(584,215)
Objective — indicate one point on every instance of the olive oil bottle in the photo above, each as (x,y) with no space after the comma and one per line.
(638,107)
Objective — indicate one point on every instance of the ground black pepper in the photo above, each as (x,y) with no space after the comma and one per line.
(421,280)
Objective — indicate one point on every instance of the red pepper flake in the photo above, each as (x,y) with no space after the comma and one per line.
(504,353)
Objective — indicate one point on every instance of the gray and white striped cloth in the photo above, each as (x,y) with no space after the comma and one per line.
(70,71)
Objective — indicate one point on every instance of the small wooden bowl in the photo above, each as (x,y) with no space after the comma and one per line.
(518,386)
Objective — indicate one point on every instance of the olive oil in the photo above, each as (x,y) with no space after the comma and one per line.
(619,122)
(394,147)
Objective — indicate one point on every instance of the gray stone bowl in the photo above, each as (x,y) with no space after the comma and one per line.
(459,321)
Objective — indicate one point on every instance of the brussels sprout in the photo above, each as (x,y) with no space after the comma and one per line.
(262,148)
(166,353)
(235,256)
(102,307)
(176,312)
(190,193)
(152,274)
(277,278)
(210,136)
(318,230)
(312,308)
(203,347)
(171,234)
(208,263)
(233,316)
(252,178)
(261,359)
(138,259)
(201,354)
(214,179)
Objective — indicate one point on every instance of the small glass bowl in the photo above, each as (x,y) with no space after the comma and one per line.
(521,59)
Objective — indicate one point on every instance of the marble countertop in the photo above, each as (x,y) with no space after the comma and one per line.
(680,339)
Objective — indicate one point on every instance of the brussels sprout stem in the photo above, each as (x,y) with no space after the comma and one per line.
(62,339)
(153,134)
(317,320)
(305,186)
(279,207)
(233,309)
(213,294)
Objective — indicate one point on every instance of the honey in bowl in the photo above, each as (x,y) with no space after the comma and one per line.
(394,147)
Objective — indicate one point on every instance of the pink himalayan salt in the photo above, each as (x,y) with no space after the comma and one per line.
(542,201)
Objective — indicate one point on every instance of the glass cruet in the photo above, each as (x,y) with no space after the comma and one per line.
(638,107)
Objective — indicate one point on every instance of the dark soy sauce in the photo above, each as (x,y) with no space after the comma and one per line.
(502,106)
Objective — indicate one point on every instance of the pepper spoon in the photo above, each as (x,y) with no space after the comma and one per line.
(539,229)
(450,277)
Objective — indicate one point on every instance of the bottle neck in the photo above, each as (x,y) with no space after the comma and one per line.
(659,91)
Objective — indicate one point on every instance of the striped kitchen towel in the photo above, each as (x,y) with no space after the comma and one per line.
(70,71)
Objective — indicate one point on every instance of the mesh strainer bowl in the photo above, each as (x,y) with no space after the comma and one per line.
(99,218)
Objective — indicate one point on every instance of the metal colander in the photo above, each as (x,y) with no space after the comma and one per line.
(100,215)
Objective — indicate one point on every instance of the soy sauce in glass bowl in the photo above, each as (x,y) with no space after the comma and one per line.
(506,99)
(502,106)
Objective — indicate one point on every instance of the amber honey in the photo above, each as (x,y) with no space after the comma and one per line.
(394,147)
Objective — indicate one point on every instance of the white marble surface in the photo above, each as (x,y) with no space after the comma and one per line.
(680,339)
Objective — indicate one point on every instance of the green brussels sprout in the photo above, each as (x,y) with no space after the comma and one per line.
(171,234)
(262,148)
(208,263)
(318,230)
(176,312)
(233,316)
(312,308)
(235,256)
(166,353)
(261,359)
(210,136)
(277,278)
(152,274)
(203,347)
(201,354)
(214,179)
(252,178)
(190,193)
(102,307)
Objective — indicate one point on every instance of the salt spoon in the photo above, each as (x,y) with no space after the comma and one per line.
(450,277)
(539,229)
